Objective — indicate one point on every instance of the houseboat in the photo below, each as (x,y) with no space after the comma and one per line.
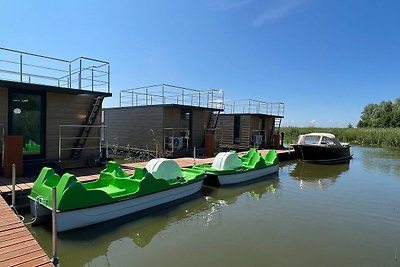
(49,110)
(164,119)
(249,123)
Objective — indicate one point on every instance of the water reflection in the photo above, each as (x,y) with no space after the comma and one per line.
(385,160)
(318,175)
(95,244)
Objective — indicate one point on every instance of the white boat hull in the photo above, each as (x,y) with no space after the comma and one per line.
(69,220)
(246,176)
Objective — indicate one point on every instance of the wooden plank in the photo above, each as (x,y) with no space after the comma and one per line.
(36,262)
(14,235)
(17,240)
(25,259)
(20,252)
(9,227)
(12,231)
(18,246)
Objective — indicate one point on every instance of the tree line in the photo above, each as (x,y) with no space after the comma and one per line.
(383,115)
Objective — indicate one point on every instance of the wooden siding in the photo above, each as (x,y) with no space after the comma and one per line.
(224,132)
(248,123)
(172,119)
(245,130)
(63,109)
(269,128)
(139,127)
(199,124)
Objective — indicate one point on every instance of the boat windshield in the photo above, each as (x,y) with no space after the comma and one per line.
(311,140)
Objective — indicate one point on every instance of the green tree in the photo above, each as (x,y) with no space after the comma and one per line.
(384,115)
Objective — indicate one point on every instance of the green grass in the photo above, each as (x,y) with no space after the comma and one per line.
(380,137)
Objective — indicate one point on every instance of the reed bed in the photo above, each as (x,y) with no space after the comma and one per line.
(378,137)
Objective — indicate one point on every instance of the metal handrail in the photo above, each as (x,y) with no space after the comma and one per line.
(162,94)
(103,140)
(254,106)
(46,73)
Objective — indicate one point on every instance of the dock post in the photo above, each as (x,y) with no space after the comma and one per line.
(54,259)
(194,156)
(13,175)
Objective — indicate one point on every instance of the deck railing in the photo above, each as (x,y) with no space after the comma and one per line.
(162,94)
(67,138)
(254,107)
(81,73)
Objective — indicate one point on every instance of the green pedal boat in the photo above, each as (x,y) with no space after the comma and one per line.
(113,194)
(229,168)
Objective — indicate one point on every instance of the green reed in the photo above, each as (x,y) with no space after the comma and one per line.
(380,137)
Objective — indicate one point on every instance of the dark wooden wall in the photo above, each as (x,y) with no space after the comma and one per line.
(248,123)
(138,127)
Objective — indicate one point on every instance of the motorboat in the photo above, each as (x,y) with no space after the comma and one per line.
(322,148)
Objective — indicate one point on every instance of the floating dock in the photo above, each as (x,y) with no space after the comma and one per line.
(17,245)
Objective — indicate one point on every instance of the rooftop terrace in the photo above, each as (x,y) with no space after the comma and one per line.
(81,73)
(164,94)
(250,106)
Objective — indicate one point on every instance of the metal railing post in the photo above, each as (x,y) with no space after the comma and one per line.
(80,73)
(199,99)
(54,259)
(13,175)
(109,79)
(59,143)
(163,94)
(20,67)
(212,98)
(92,80)
(69,76)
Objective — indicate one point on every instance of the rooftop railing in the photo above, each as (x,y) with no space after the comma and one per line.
(254,107)
(162,94)
(81,73)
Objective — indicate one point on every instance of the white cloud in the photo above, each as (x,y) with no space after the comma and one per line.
(281,9)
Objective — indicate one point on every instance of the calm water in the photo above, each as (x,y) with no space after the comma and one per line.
(309,215)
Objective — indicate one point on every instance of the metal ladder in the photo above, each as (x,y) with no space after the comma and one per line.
(213,120)
(277,125)
(84,134)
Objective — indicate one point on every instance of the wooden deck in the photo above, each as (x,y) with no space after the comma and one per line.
(17,245)
(24,184)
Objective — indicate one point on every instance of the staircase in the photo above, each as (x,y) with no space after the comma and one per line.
(213,121)
(277,125)
(84,134)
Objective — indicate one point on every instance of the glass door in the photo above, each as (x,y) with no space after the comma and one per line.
(27,118)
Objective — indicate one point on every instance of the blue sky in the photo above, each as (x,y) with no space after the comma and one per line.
(324,59)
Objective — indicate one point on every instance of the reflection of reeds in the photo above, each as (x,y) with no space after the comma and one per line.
(381,137)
